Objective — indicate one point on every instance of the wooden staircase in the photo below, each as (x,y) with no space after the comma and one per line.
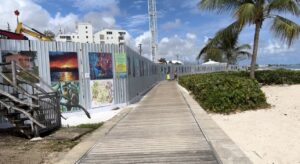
(28,103)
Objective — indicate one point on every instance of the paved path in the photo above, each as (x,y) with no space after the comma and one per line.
(161,129)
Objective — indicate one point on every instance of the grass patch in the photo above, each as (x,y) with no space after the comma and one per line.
(91,126)
(61,145)
(225,92)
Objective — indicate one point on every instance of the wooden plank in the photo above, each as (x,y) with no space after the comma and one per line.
(160,130)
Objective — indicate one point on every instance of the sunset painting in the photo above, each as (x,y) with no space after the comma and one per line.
(63,66)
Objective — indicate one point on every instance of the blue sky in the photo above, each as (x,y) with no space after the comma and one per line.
(182,27)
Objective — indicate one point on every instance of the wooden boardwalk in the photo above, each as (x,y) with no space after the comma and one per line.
(161,129)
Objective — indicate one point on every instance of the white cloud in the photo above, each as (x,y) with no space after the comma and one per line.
(191,36)
(35,16)
(100,20)
(28,12)
(136,20)
(110,6)
(274,47)
(206,39)
(59,21)
(168,47)
(172,24)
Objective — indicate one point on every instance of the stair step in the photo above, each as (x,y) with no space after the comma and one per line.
(12,115)
(20,120)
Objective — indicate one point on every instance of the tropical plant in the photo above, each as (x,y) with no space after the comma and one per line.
(225,48)
(162,60)
(255,12)
(49,34)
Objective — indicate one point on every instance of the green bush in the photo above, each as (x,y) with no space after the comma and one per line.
(271,77)
(225,92)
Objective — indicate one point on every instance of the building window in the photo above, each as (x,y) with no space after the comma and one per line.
(101,37)
(107,38)
(87,37)
(77,37)
(111,37)
(86,27)
(86,32)
(73,37)
(109,33)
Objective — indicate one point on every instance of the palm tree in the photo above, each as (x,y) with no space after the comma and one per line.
(224,47)
(49,34)
(255,12)
(162,60)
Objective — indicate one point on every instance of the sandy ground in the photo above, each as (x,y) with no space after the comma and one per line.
(271,135)
(97,115)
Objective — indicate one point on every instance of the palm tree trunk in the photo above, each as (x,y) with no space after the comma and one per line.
(255,49)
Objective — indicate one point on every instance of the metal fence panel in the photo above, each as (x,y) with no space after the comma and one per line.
(142,73)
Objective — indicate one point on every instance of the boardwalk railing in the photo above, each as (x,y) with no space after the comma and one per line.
(102,74)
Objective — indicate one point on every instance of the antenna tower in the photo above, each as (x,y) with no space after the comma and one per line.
(153,27)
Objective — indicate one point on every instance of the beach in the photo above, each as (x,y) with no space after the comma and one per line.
(271,135)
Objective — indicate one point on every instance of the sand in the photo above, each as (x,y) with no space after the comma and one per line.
(268,135)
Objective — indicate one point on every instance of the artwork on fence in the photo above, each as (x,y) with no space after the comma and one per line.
(63,66)
(70,95)
(121,65)
(26,59)
(101,92)
(100,65)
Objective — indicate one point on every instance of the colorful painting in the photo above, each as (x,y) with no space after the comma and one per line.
(121,65)
(25,59)
(100,66)
(63,66)
(102,93)
(70,95)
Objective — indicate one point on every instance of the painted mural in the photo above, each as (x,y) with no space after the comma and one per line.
(26,59)
(70,95)
(63,66)
(121,65)
(101,66)
(101,93)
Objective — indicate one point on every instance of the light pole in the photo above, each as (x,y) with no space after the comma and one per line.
(140,49)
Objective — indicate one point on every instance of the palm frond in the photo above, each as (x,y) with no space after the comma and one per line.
(287,6)
(246,13)
(243,53)
(228,35)
(287,30)
(219,5)
(242,47)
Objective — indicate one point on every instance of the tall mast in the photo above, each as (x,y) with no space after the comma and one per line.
(153,28)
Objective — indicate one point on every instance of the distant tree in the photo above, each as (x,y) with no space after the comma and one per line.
(255,12)
(162,60)
(49,34)
(224,47)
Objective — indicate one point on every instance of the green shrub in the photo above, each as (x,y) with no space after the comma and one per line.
(271,77)
(225,92)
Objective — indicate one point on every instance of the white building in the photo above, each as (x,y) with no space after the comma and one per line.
(84,34)
(109,36)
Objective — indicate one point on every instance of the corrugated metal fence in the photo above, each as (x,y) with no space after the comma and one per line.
(142,73)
